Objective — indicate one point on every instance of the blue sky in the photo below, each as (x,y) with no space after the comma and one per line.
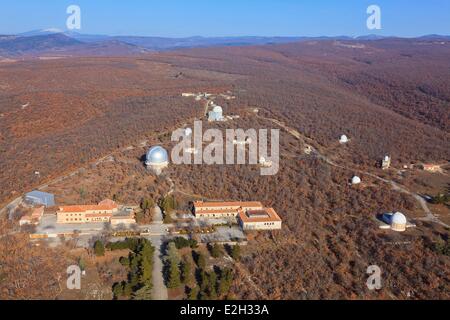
(181,18)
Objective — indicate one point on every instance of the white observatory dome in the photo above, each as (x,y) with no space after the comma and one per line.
(188,132)
(157,155)
(399,218)
(356,180)
(344,139)
(398,222)
(218,109)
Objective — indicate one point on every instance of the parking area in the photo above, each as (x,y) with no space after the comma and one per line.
(224,234)
(48,225)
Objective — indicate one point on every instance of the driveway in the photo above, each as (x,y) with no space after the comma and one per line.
(158,231)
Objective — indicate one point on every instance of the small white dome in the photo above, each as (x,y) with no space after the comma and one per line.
(399,219)
(356,180)
(157,155)
(188,132)
(344,139)
(218,109)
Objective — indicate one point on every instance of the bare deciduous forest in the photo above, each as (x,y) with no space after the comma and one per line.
(388,96)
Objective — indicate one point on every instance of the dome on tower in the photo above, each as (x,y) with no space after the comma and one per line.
(218,109)
(157,155)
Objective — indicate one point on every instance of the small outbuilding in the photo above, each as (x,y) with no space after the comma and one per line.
(386,163)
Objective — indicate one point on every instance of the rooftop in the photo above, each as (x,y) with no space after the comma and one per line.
(233,204)
(264,215)
(105,205)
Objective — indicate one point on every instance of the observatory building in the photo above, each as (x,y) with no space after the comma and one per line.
(157,159)
(386,163)
(250,215)
(356,180)
(216,114)
(396,222)
(343,139)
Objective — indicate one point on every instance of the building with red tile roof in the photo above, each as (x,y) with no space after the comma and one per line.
(218,210)
(101,212)
(250,215)
(33,218)
(261,219)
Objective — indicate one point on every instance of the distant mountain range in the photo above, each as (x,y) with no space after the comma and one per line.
(55,42)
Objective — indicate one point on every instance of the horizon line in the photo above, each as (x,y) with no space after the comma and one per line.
(60,31)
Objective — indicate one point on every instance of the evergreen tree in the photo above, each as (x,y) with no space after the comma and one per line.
(204,280)
(168,205)
(193,293)
(127,290)
(124,261)
(82,264)
(226,279)
(211,289)
(200,260)
(118,290)
(186,272)
(174,276)
(147,251)
(144,293)
(99,248)
(173,254)
(145,270)
(147,205)
(236,252)
(216,251)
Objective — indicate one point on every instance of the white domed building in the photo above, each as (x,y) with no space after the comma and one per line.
(188,132)
(356,180)
(344,139)
(157,159)
(396,222)
(216,114)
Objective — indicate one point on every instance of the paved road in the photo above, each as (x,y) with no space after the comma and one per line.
(159,291)
(11,207)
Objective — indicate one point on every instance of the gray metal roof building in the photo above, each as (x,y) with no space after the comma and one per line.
(40,198)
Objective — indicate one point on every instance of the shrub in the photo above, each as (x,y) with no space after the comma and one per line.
(181,243)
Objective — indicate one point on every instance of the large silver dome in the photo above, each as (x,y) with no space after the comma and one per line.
(157,155)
